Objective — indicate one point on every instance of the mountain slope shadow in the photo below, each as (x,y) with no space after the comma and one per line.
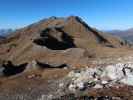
(52,42)
(11,69)
(44,65)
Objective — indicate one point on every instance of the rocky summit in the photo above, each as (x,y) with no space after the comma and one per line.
(63,58)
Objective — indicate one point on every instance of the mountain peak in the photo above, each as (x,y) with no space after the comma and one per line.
(65,30)
(74,17)
(60,34)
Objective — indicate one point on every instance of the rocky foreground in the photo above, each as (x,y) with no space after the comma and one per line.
(101,81)
(104,82)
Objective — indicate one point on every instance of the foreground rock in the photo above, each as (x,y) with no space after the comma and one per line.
(104,82)
(100,77)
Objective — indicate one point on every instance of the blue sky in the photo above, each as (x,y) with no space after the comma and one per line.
(102,14)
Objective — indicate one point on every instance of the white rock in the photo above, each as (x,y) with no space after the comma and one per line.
(114,72)
(104,82)
(128,80)
(61,84)
(129,77)
(97,86)
(72,87)
(80,85)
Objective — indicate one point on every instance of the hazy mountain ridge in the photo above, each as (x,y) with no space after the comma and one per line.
(125,34)
(5,32)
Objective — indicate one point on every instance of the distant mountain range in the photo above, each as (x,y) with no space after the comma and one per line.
(125,34)
(5,32)
(1,37)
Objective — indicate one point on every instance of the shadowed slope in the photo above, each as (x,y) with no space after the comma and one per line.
(64,42)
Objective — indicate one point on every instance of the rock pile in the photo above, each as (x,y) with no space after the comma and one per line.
(100,77)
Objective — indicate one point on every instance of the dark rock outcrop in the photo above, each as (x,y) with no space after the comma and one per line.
(60,42)
(11,69)
(44,65)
